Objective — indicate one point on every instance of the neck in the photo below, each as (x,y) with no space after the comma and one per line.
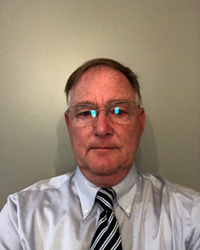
(105,181)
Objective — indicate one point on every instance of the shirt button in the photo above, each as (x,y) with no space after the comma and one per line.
(127,210)
(86,211)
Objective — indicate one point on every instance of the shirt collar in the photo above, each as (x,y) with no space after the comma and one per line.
(125,191)
(86,191)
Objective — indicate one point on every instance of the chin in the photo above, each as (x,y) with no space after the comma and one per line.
(104,169)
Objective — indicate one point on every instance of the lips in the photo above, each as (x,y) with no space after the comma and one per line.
(103,147)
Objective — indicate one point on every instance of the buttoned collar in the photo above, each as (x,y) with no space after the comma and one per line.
(125,191)
(86,191)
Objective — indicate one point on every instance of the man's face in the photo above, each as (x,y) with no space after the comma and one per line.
(104,150)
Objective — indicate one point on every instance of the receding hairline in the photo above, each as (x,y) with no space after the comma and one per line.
(101,63)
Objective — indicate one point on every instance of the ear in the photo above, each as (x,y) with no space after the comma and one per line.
(67,118)
(142,119)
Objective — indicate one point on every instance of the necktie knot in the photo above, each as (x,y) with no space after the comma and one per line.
(105,198)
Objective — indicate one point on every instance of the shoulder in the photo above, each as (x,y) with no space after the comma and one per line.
(180,201)
(49,184)
(43,191)
(36,204)
(175,198)
(177,204)
(172,190)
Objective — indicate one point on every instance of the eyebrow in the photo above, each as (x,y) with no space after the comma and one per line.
(108,102)
(84,103)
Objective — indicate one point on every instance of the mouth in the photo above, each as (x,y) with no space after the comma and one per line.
(103,148)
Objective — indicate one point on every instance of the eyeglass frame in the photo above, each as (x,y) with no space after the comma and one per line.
(97,109)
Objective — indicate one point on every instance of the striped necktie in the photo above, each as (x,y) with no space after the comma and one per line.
(107,234)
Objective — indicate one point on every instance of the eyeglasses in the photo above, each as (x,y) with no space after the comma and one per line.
(118,112)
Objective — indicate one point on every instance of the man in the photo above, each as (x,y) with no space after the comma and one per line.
(105,121)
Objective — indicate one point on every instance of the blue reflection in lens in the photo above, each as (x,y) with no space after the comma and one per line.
(117,110)
(93,113)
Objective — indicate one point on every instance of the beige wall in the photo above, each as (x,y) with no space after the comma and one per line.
(42,42)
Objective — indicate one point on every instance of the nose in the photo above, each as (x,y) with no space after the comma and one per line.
(102,125)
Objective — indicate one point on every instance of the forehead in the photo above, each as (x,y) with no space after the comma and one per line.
(101,83)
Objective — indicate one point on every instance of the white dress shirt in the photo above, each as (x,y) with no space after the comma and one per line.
(61,214)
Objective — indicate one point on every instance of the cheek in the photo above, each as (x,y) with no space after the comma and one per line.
(131,137)
(78,138)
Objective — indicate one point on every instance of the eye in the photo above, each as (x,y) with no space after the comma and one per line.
(119,111)
(85,113)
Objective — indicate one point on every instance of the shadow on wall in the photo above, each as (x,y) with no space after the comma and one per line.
(146,157)
(64,161)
